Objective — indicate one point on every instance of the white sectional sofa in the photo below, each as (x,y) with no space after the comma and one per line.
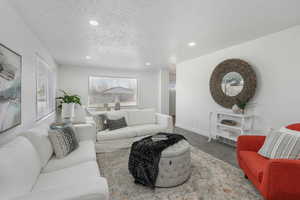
(29,171)
(141,123)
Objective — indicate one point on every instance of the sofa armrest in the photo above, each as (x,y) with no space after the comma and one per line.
(250,142)
(165,121)
(281,179)
(86,131)
(95,189)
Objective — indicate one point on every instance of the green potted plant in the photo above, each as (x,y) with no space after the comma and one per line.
(240,106)
(67,104)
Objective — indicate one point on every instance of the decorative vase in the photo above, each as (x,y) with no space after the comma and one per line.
(117,106)
(67,110)
(237,110)
(106,107)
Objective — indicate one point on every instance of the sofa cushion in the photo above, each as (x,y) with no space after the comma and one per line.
(147,129)
(87,189)
(117,115)
(254,162)
(139,117)
(67,176)
(20,166)
(127,132)
(85,152)
(39,138)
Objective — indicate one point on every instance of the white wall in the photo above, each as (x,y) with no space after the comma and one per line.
(163,91)
(75,80)
(172,94)
(172,101)
(276,61)
(17,36)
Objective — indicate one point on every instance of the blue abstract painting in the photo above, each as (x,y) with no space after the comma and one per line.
(10,88)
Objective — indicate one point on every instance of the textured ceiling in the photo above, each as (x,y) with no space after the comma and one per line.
(132,32)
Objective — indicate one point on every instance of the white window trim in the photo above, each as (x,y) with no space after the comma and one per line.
(51,109)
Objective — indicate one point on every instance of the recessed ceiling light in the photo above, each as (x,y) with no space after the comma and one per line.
(93,23)
(147,64)
(191,44)
(88,57)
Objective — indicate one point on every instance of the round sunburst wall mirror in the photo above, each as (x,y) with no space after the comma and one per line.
(232,80)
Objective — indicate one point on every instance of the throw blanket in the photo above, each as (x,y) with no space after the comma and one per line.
(145,156)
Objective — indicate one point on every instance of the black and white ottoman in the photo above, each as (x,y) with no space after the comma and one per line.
(174,165)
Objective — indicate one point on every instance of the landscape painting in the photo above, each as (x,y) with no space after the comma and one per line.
(108,90)
(10,88)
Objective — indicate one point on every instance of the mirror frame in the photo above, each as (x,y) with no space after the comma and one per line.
(225,67)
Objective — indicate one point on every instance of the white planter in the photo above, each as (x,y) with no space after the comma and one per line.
(237,110)
(67,110)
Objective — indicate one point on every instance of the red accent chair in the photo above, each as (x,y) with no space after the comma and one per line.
(294,127)
(276,179)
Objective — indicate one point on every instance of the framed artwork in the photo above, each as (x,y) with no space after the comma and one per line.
(45,90)
(10,88)
(108,90)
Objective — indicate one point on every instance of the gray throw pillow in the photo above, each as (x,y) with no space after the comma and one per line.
(63,139)
(100,121)
(116,124)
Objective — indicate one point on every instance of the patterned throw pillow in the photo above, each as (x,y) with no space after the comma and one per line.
(281,145)
(100,121)
(116,124)
(63,139)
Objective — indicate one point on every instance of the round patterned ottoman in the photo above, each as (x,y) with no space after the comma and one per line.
(174,165)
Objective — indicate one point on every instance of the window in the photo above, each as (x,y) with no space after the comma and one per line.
(108,90)
(45,89)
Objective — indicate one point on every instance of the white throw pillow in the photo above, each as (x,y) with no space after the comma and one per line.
(20,167)
(139,117)
(283,144)
(113,115)
(39,138)
(79,114)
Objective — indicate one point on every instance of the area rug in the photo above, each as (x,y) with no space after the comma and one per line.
(211,179)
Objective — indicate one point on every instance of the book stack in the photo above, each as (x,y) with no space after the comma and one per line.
(156,138)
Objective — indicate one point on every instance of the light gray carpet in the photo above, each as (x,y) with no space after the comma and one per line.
(211,179)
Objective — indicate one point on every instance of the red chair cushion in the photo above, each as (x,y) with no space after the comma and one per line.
(294,127)
(255,163)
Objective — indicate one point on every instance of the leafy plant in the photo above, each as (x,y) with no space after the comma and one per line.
(67,98)
(241,104)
